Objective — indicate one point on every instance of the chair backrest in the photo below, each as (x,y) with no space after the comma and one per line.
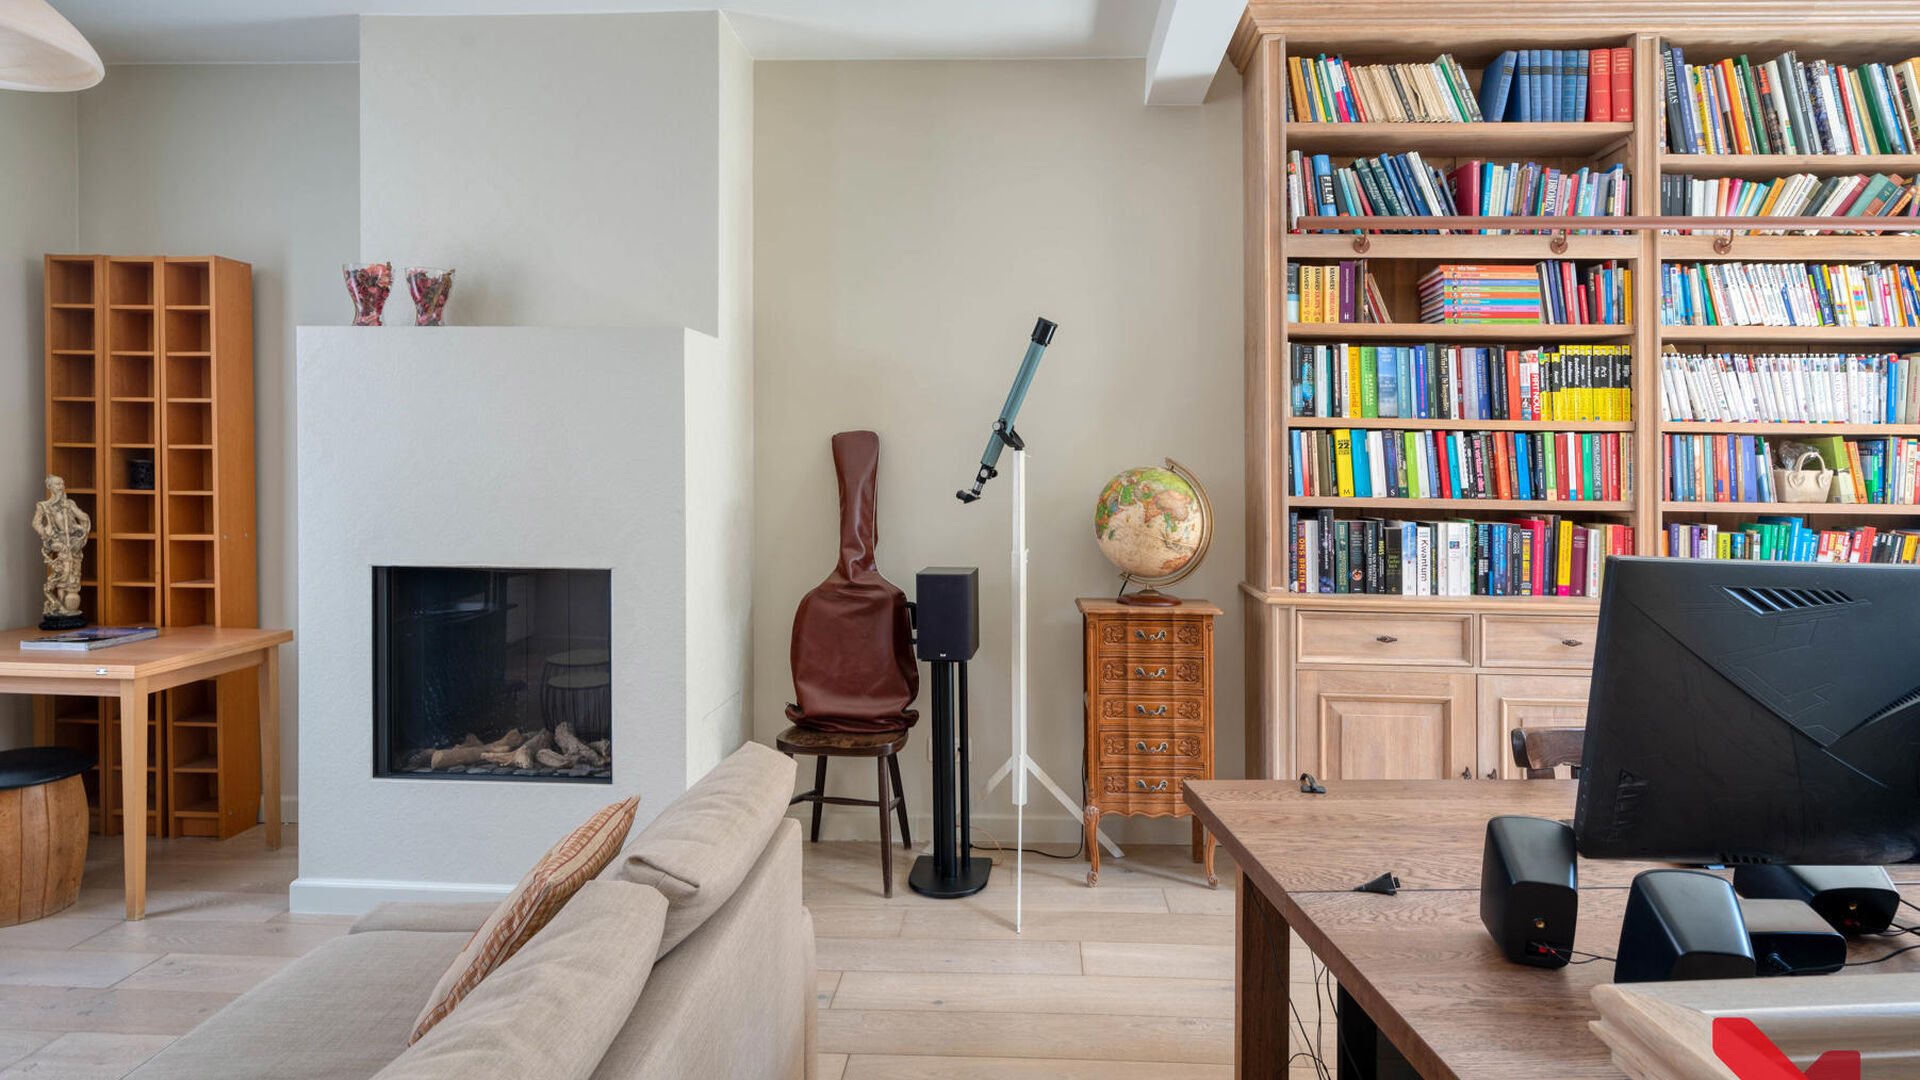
(1540,750)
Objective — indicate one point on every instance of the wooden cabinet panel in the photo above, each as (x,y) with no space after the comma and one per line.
(1340,637)
(1515,701)
(1550,641)
(1385,725)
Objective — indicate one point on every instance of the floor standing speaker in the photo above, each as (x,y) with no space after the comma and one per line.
(947,633)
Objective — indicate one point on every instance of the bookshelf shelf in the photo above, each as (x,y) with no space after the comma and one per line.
(1749,248)
(1490,141)
(1768,166)
(1461,246)
(1793,335)
(1394,424)
(1683,509)
(1458,507)
(1528,605)
(1465,333)
(1803,430)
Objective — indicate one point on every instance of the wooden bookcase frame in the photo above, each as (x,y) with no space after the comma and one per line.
(1288,711)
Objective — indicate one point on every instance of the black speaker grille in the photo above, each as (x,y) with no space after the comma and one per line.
(1771,601)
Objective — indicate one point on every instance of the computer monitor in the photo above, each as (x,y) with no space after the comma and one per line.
(1747,712)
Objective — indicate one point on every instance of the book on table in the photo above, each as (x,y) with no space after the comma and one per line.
(93,637)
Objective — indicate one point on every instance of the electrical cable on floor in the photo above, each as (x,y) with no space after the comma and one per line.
(1273,957)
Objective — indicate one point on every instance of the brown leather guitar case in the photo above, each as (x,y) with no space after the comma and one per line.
(853,664)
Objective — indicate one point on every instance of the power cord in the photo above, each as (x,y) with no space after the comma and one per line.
(1312,1054)
(1585,957)
(1883,959)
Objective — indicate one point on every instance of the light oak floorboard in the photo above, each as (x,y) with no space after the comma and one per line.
(825,983)
(959,924)
(865,922)
(832,1066)
(15,1045)
(225,974)
(1172,961)
(862,1067)
(1114,1036)
(128,1012)
(900,954)
(191,936)
(1035,993)
(60,930)
(87,1055)
(69,967)
(197,906)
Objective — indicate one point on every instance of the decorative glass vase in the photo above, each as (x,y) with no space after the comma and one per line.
(430,286)
(368,284)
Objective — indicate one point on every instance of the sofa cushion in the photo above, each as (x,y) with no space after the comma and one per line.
(342,1012)
(550,1010)
(559,874)
(462,917)
(699,849)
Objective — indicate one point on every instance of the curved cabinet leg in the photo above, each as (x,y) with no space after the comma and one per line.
(1093,845)
(1213,881)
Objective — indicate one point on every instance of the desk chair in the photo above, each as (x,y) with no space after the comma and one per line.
(1540,750)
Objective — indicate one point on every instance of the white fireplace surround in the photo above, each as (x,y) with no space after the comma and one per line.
(491,446)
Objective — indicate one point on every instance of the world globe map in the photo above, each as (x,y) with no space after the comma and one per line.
(1149,522)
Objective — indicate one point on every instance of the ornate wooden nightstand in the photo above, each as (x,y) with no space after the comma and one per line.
(1149,694)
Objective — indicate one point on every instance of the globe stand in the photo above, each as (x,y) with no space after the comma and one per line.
(1147,597)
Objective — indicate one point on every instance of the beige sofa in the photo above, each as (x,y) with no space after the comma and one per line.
(734,999)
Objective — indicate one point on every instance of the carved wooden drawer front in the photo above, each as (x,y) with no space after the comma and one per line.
(1143,708)
(1163,636)
(1145,790)
(1130,747)
(1139,674)
(1343,637)
(1537,641)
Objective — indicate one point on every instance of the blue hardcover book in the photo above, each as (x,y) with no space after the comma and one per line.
(1495,85)
(1430,470)
(1323,184)
(1578,100)
(1497,566)
(1362,471)
(1297,464)
(1541,86)
(1523,87)
(1690,129)
(1522,471)
(1557,80)
(1387,383)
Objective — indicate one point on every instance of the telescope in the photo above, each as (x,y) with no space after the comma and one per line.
(1003,434)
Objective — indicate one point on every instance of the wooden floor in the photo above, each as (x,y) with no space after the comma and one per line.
(1129,981)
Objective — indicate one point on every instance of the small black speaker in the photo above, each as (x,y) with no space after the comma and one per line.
(1682,924)
(947,612)
(1790,938)
(1854,900)
(1529,889)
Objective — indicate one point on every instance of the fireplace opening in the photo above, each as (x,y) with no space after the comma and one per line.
(492,674)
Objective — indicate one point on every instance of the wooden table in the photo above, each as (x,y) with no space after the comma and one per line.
(132,672)
(1420,964)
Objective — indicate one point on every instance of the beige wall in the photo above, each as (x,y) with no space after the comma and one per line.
(910,221)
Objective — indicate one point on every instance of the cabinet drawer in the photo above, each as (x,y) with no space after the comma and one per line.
(1151,746)
(1136,708)
(1145,790)
(1341,637)
(1158,635)
(1135,674)
(1537,641)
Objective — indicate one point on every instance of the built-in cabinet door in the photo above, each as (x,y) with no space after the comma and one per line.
(1517,701)
(1384,725)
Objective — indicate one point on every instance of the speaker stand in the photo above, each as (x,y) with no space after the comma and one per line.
(951,871)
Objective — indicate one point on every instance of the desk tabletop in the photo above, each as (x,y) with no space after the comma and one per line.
(175,648)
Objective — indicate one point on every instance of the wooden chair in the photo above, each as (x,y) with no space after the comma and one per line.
(883,746)
(1540,750)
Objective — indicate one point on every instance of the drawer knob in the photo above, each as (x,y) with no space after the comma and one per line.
(1571,643)
(1144,636)
(1144,786)
(1143,711)
(1143,673)
(1142,747)
(1493,774)
(1466,773)
(1386,639)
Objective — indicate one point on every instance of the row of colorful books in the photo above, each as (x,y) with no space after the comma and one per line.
(1740,468)
(1462,382)
(1342,292)
(1789,294)
(1537,556)
(1405,185)
(1796,195)
(1788,539)
(1556,291)
(1520,85)
(1556,466)
(1559,86)
(1790,388)
(1785,106)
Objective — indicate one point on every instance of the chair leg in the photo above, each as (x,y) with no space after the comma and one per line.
(820,793)
(886,831)
(900,794)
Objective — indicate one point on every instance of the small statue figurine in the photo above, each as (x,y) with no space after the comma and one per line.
(63,529)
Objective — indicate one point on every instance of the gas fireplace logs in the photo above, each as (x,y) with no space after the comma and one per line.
(559,752)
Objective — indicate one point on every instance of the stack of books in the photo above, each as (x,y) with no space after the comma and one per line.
(1462,382)
(1792,388)
(1788,539)
(1555,291)
(1536,556)
(1341,292)
(1405,185)
(1556,466)
(1784,106)
(1329,90)
(1797,195)
(1789,294)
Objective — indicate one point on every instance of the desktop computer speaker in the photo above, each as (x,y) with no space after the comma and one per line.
(1854,900)
(1682,924)
(1529,898)
(1790,938)
(947,613)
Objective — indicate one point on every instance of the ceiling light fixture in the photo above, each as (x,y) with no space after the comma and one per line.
(40,50)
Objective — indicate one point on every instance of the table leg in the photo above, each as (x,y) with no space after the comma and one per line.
(270,742)
(1093,845)
(133,795)
(42,720)
(1198,832)
(1260,1006)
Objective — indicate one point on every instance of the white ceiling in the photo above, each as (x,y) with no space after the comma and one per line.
(282,31)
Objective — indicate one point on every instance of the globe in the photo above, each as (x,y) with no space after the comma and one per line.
(1154,524)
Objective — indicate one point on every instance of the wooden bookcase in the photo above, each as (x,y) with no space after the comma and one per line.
(1394,686)
(151,359)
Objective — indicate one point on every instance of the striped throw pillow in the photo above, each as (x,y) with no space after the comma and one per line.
(533,903)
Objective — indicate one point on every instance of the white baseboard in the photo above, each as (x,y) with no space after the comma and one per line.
(357,896)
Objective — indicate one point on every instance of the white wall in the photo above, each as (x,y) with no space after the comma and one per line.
(37,216)
(258,163)
(910,221)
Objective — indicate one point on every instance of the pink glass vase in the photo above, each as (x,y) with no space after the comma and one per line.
(430,286)
(368,284)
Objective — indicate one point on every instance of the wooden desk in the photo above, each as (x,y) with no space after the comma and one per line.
(1420,964)
(131,673)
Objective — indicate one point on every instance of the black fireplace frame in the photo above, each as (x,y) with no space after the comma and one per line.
(383,692)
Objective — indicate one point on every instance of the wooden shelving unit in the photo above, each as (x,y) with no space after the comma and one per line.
(1427,686)
(151,358)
